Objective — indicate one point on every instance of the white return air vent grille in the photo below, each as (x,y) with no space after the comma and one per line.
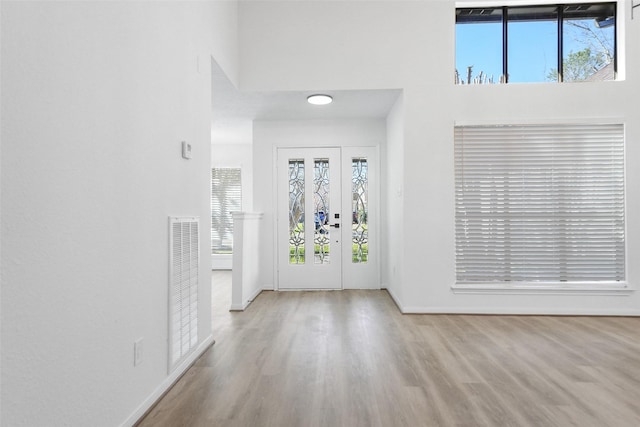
(183,287)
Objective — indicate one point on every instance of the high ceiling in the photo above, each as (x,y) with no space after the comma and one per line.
(234,111)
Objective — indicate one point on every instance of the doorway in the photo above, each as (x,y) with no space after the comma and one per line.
(328,215)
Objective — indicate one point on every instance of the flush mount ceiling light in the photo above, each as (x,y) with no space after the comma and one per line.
(319,99)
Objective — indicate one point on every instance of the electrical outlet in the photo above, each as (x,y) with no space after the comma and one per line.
(137,352)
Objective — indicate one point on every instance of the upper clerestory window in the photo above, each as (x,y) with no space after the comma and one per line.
(540,43)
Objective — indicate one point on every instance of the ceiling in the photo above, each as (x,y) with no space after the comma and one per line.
(234,111)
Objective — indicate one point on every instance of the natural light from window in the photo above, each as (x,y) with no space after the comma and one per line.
(529,44)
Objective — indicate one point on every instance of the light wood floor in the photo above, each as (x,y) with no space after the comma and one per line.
(349,358)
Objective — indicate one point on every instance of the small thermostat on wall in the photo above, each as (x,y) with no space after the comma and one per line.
(186,150)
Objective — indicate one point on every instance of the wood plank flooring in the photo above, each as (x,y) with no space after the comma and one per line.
(349,358)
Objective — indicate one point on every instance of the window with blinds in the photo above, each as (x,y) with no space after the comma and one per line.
(226,197)
(540,203)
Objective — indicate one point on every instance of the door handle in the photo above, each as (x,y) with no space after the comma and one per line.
(336,225)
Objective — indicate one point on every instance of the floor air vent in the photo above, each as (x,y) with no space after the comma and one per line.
(183,288)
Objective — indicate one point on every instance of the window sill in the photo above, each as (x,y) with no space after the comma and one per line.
(615,288)
(589,83)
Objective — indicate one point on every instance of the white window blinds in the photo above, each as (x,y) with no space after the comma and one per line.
(226,197)
(540,203)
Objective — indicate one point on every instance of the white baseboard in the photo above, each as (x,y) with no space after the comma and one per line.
(364,288)
(524,311)
(521,311)
(253,297)
(395,300)
(249,300)
(168,382)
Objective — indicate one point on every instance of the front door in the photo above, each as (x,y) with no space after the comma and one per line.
(309,234)
(327,211)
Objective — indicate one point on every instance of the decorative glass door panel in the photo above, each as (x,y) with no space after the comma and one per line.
(296,211)
(321,193)
(360,189)
(360,207)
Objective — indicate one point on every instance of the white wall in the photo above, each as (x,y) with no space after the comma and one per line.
(392,190)
(336,45)
(96,97)
(268,135)
(222,19)
(410,45)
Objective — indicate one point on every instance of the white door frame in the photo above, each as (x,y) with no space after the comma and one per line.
(354,275)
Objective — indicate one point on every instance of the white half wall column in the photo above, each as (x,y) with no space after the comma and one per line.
(245,283)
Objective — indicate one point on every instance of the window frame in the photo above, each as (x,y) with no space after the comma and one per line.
(560,13)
